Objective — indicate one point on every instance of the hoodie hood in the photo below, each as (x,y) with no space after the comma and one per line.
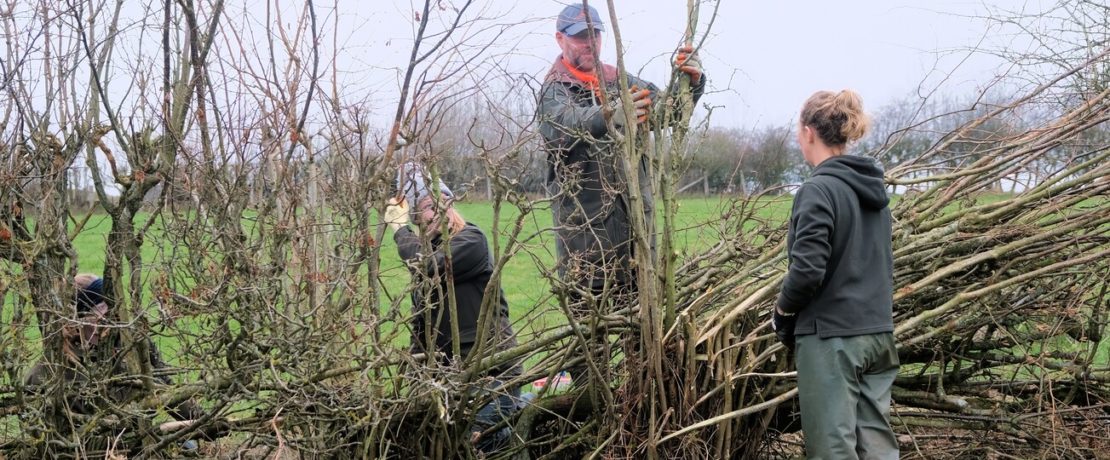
(863,175)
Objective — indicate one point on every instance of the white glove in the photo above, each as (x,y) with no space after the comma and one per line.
(688,62)
(641,104)
(396,214)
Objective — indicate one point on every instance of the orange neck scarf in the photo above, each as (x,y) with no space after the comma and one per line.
(589,78)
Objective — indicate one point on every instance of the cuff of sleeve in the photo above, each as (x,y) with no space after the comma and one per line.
(599,127)
(783,305)
(402,232)
(699,88)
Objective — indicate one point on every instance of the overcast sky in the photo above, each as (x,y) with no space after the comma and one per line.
(763,58)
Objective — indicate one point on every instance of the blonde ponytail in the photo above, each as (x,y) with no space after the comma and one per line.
(455,221)
(838,118)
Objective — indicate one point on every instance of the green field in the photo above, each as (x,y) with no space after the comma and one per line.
(698,222)
(698,226)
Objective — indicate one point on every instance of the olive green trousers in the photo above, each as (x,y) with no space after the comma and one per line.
(844,389)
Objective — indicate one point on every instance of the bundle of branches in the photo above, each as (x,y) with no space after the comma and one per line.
(1000,299)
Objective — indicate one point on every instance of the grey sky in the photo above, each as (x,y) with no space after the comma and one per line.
(763,58)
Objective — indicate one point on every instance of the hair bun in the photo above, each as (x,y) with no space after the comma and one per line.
(838,118)
(849,104)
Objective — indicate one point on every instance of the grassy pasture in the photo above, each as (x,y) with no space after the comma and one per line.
(698,222)
(528,292)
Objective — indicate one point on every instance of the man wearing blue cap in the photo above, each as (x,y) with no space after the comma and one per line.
(593,229)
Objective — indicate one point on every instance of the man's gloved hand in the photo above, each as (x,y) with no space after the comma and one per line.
(396,214)
(687,61)
(783,325)
(641,106)
(641,102)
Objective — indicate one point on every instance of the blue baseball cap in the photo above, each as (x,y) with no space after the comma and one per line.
(573,19)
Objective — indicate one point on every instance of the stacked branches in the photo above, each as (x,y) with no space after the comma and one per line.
(1000,299)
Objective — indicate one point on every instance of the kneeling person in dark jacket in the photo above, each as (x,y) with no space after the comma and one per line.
(467,273)
(95,356)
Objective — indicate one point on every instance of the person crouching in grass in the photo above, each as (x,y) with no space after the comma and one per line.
(94,356)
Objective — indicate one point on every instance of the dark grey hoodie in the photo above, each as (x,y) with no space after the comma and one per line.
(841,276)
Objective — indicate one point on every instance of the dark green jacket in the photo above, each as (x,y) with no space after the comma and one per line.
(841,276)
(593,233)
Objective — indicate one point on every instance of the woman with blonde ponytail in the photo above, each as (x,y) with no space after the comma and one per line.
(451,265)
(835,305)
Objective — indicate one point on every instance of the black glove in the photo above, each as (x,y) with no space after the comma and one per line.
(784,328)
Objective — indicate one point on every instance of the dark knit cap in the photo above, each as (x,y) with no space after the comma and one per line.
(91,296)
